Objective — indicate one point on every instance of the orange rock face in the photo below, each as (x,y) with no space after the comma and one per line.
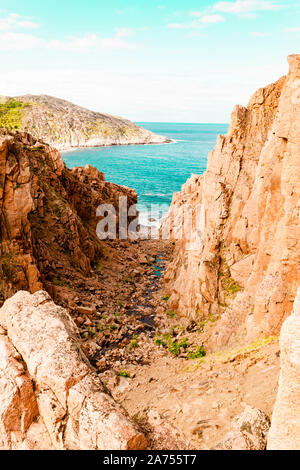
(241,259)
(48,216)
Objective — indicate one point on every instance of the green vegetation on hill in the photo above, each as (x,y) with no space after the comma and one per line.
(11,114)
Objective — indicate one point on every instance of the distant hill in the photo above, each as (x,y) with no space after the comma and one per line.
(65,125)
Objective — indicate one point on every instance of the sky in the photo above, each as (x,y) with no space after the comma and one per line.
(147,60)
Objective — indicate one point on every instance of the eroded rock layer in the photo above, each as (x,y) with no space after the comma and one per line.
(50,396)
(241,260)
(48,216)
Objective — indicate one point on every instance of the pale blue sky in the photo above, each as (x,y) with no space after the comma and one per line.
(147,60)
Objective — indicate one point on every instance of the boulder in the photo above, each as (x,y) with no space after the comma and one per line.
(45,377)
(249,431)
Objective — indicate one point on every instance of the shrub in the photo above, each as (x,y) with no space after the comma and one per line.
(175,347)
(124,373)
(170,313)
(199,352)
(134,343)
(159,342)
(11,114)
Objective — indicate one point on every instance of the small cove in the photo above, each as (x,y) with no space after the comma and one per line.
(154,171)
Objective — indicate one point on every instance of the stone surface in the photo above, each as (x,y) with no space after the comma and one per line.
(50,395)
(237,440)
(254,422)
(163,434)
(285,428)
(65,125)
(240,261)
(249,431)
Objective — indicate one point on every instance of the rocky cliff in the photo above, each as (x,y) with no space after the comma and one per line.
(239,263)
(65,125)
(48,217)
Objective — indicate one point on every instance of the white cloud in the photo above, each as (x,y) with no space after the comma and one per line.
(92,42)
(123,11)
(242,8)
(247,6)
(212,19)
(87,43)
(13,21)
(12,39)
(18,41)
(123,32)
(198,23)
(292,30)
(260,34)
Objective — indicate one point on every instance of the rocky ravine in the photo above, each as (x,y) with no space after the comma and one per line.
(241,264)
(65,126)
(48,241)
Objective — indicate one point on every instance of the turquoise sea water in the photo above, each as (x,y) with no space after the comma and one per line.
(154,171)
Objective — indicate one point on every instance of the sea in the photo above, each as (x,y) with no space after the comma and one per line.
(154,171)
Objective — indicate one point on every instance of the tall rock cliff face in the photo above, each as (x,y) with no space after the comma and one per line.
(64,125)
(241,261)
(285,429)
(48,216)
